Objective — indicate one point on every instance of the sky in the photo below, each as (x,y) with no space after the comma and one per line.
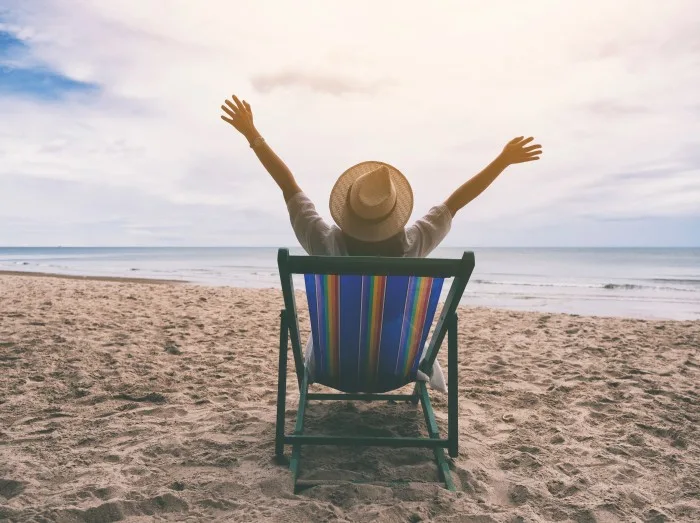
(110,132)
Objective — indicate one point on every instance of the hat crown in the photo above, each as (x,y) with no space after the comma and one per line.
(371,201)
(373,195)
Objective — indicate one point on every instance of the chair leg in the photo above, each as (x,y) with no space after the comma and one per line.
(452,391)
(295,462)
(443,468)
(281,386)
(416,395)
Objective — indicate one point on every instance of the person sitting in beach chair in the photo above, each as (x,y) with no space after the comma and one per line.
(371,203)
(370,319)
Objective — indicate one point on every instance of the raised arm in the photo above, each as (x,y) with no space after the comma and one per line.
(514,152)
(240,117)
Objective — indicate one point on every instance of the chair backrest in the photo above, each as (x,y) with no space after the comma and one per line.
(371,316)
(369,331)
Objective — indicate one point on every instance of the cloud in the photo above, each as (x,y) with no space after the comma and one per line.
(327,84)
(647,174)
(639,231)
(81,211)
(132,145)
(614,108)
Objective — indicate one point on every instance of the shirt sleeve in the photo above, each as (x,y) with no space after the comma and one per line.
(427,233)
(310,229)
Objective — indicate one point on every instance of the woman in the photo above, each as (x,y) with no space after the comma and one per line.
(371,202)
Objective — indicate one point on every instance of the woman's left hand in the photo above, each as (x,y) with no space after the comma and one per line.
(516,152)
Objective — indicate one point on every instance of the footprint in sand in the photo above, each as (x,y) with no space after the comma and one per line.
(561,489)
(164,412)
(117,509)
(557,439)
(520,460)
(106,493)
(10,488)
(627,474)
(518,494)
(569,469)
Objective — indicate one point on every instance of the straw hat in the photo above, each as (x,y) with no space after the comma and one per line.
(371,201)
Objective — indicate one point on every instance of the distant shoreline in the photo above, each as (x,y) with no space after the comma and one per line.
(117,279)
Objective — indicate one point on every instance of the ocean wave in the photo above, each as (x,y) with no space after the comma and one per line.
(682,281)
(629,286)
(605,286)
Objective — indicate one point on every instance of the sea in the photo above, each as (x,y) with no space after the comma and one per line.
(648,283)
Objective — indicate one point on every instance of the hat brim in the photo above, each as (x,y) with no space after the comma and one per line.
(364,230)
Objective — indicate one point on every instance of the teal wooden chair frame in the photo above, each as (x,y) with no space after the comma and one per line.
(459,269)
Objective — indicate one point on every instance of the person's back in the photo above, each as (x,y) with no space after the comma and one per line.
(371,203)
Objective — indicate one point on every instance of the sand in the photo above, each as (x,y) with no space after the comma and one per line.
(139,402)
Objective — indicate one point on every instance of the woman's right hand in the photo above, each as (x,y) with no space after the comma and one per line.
(240,117)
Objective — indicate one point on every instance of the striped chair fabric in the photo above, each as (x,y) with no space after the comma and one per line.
(369,332)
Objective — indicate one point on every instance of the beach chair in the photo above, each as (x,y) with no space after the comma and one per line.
(370,319)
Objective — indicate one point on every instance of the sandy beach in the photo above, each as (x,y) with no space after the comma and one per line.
(125,400)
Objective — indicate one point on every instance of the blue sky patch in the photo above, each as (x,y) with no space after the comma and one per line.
(37,81)
(12,48)
(9,43)
(40,83)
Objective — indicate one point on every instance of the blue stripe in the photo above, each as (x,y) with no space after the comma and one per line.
(394,305)
(350,292)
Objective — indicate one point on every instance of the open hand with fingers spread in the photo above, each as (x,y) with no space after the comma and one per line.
(240,116)
(516,151)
